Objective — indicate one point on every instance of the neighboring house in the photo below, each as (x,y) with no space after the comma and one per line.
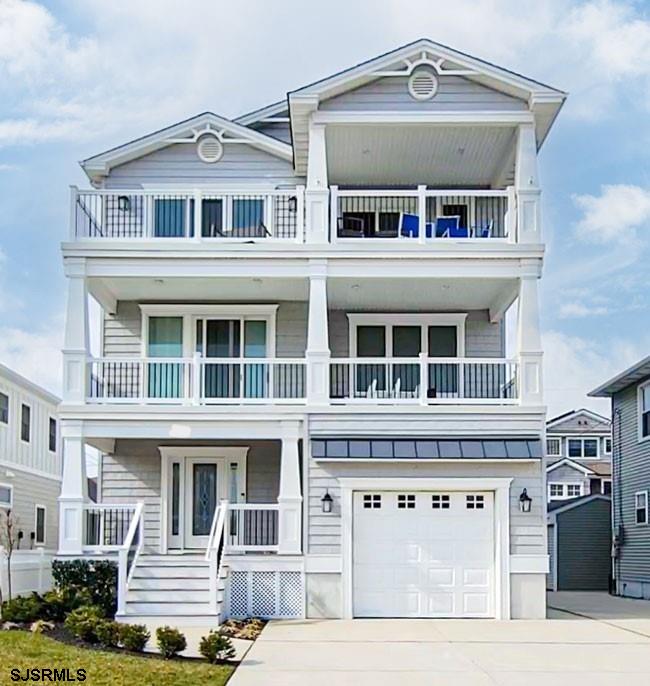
(579,543)
(578,455)
(302,399)
(630,394)
(30,476)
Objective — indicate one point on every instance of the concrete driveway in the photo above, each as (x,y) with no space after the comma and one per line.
(569,648)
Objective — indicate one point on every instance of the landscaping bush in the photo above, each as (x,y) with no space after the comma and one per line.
(108,633)
(170,641)
(23,609)
(134,636)
(60,601)
(215,647)
(83,622)
(95,580)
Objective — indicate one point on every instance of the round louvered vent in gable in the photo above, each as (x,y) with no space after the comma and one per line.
(423,84)
(209,149)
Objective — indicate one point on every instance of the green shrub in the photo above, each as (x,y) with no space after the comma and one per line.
(170,641)
(215,647)
(83,622)
(108,633)
(23,609)
(134,636)
(60,601)
(95,580)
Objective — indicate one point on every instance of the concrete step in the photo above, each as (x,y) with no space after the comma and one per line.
(172,583)
(174,572)
(164,596)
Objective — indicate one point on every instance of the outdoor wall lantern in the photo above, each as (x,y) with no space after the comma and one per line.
(326,503)
(525,501)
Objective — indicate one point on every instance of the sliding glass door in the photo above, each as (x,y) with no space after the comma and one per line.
(165,340)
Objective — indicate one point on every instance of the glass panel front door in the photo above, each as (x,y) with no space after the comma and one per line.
(201,499)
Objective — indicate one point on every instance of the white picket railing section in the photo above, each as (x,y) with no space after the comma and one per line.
(128,554)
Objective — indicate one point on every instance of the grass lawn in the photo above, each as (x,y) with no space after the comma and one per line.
(21,650)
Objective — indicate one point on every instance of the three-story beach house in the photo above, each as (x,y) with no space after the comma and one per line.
(303,398)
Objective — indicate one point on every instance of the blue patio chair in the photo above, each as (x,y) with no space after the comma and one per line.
(484,231)
(446,225)
(459,232)
(409,225)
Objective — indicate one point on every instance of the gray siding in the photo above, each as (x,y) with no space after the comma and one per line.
(30,490)
(634,562)
(279,130)
(133,473)
(454,93)
(527,535)
(179,164)
(584,547)
(123,330)
(567,474)
(291,329)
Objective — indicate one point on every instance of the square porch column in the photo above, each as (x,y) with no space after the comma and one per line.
(527,186)
(318,348)
(74,490)
(290,495)
(76,345)
(528,338)
(317,190)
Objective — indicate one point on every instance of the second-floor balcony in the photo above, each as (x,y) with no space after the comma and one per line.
(408,215)
(420,380)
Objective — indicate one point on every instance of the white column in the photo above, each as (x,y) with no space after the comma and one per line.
(76,339)
(74,490)
(290,496)
(318,349)
(317,191)
(527,186)
(528,338)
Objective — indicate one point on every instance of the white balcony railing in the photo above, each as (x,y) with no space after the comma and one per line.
(240,216)
(250,527)
(196,380)
(106,527)
(424,380)
(422,215)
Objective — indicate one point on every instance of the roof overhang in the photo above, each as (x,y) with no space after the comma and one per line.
(544,102)
(570,463)
(637,372)
(187,131)
(575,413)
(577,502)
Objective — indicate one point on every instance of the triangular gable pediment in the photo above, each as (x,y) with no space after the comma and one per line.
(185,132)
(579,421)
(570,464)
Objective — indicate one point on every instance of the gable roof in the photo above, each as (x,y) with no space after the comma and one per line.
(558,506)
(566,462)
(191,129)
(617,383)
(24,383)
(572,414)
(262,113)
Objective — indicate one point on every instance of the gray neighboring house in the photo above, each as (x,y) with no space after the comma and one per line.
(578,455)
(630,394)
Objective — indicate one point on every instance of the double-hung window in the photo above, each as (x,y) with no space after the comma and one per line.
(553,447)
(641,507)
(583,447)
(644,410)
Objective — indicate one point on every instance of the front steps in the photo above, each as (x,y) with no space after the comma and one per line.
(174,589)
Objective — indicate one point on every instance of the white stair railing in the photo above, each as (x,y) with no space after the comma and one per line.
(214,551)
(128,554)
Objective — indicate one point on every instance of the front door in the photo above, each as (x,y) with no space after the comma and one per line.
(201,499)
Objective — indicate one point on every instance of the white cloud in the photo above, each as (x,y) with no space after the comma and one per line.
(572,310)
(573,366)
(615,216)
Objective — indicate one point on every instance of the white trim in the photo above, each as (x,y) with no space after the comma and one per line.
(640,389)
(529,564)
(564,485)
(582,440)
(422,320)
(208,310)
(501,489)
(169,454)
(568,462)
(559,446)
(460,117)
(10,504)
(27,385)
(637,508)
(582,411)
(29,470)
(37,506)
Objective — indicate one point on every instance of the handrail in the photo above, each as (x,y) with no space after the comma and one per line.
(125,571)
(215,545)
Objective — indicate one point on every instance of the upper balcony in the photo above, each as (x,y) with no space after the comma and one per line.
(368,217)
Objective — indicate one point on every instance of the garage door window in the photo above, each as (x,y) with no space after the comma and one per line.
(439,502)
(405,502)
(372,501)
(474,502)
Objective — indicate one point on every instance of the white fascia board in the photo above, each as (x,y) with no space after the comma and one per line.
(582,411)
(27,385)
(566,462)
(452,117)
(263,113)
(100,165)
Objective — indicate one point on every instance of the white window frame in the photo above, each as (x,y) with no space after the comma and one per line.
(6,394)
(51,419)
(582,440)
(637,495)
(555,497)
(38,507)
(389,321)
(606,440)
(602,486)
(20,423)
(559,446)
(641,388)
(565,488)
(9,505)
(575,495)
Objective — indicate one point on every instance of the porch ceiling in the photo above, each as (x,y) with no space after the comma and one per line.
(460,156)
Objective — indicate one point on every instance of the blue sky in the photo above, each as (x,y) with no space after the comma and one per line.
(77,77)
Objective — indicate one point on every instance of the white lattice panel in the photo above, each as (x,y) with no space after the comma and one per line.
(266,594)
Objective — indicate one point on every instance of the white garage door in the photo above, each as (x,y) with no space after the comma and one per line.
(423,554)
